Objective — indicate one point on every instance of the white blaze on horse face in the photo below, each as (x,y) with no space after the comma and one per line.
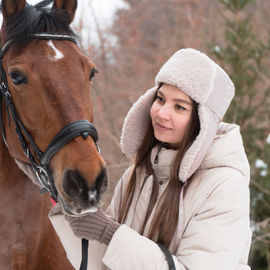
(58,55)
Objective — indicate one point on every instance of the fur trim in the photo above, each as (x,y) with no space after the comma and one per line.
(136,122)
(205,82)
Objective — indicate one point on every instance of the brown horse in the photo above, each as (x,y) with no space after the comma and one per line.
(45,89)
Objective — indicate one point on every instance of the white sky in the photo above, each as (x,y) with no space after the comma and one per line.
(104,10)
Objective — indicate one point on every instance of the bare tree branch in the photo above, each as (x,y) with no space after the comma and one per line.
(259,187)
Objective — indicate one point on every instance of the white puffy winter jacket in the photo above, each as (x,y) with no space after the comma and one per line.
(213,232)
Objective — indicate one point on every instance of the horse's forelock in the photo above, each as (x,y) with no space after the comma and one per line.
(37,19)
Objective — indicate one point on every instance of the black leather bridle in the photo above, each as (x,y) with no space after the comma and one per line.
(40,161)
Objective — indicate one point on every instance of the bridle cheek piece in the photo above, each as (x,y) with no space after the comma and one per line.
(40,161)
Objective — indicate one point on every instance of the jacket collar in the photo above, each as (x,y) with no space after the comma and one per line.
(227,150)
(162,160)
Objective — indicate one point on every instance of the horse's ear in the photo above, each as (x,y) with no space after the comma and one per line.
(11,7)
(69,6)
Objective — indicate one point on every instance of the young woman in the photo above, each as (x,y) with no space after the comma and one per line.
(188,187)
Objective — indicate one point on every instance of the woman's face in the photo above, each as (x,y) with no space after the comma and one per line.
(170,114)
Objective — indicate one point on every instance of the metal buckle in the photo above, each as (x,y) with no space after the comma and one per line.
(42,176)
(3,86)
(26,152)
(40,173)
(4,90)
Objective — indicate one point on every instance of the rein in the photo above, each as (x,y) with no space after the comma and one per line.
(40,160)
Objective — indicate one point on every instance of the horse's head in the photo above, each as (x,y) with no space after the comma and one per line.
(49,81)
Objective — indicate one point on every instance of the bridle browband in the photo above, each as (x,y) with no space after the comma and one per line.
(40,161)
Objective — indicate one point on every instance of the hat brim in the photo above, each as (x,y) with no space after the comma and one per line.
(199,148)
(135,123)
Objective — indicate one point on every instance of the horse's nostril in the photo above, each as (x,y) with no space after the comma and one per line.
(102,181)
(74,185)
(82,194)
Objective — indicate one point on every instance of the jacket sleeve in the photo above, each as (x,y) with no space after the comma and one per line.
(131,251)
(213,239)
(216,235)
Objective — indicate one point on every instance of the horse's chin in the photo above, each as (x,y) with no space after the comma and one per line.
(73,211)
(81,213)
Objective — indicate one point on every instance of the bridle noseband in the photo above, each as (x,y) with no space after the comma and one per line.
(40,161)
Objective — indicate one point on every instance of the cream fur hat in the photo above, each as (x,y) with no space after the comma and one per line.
(205,82)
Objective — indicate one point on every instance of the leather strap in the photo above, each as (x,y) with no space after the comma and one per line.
(2,122)
(168,256)
(69,132)
(48,36)
(84,261)
(39,160)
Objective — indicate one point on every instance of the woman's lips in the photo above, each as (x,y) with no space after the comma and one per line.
(162,128)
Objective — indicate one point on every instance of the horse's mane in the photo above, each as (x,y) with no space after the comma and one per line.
(37,19)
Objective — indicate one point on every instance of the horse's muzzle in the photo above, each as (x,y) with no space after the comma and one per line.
(82,198)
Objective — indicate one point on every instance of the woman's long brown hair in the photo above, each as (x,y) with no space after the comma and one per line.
(166,214)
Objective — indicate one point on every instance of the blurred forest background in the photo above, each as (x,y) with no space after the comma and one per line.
(144,34)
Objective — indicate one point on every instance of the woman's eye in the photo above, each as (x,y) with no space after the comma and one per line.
(93,73)
(160,99)
(17,77)
(180,108)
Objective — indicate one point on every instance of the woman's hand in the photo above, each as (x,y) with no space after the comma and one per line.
(93,226)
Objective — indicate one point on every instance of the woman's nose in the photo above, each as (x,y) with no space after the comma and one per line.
(164,113)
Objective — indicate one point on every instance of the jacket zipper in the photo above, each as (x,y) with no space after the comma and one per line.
(157,154)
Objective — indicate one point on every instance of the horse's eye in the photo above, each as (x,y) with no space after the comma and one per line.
(17,77)
(93,73)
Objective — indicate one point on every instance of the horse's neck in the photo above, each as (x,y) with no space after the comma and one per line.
(24,216)
(8,168)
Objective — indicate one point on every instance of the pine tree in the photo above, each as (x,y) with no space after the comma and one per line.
(244,55)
